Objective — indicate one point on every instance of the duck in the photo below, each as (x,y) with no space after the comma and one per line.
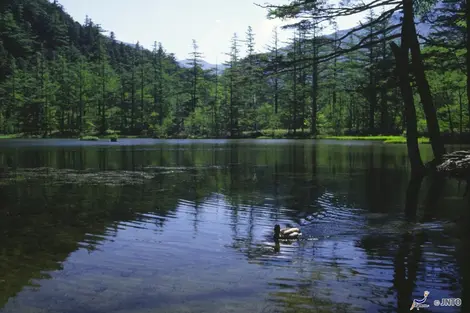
(286,233)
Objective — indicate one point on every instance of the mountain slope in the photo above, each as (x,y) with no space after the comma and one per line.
(204,65)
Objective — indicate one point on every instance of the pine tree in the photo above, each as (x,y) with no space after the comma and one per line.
(315,43)
(234,78)
(142,66)
(195,63)
(274,62)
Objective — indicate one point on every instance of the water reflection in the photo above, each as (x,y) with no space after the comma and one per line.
(186,226)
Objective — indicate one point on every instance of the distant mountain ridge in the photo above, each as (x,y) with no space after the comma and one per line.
(184,63)
(422,28)
(204,65)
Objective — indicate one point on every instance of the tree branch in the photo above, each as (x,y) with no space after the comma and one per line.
(331,12)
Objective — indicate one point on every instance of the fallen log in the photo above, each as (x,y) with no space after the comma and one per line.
(454,164)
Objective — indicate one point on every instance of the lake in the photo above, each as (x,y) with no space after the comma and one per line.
(169,226)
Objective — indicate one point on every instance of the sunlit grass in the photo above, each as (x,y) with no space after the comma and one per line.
(284,133)
(89,138)
(375,138)
(9,136)
(403,140)
(384,139)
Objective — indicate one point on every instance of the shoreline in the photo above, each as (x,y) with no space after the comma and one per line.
(383,139)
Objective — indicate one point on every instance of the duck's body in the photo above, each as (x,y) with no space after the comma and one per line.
(286,233)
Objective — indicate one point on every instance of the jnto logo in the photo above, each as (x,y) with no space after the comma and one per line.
(420,303)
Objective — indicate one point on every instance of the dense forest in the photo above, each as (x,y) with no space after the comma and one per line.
(59,77)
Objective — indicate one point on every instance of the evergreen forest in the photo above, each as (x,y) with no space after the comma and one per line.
(63,78)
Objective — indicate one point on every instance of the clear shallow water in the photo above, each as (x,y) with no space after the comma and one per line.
(185,226)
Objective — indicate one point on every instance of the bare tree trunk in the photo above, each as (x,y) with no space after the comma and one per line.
(449,117)
(460,114)
(313,117)
(403,70)
(422,83)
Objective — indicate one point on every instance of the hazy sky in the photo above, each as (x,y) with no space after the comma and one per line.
(175,23)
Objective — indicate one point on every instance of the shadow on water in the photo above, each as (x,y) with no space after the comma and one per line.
(42,224)
(186,226)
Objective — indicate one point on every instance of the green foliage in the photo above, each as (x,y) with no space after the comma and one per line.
(114,137)
(72,80)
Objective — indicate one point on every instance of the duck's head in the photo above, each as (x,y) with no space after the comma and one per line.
(277,230)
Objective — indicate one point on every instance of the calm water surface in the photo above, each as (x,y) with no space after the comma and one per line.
(185,226)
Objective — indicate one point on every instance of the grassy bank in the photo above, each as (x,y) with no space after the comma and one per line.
(263,134)
(384,139)
(284,133)
(89,138)
(12,136)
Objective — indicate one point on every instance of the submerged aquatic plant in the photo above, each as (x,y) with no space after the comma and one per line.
(70,176)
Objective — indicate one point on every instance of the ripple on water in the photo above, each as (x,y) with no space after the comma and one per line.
(213,254)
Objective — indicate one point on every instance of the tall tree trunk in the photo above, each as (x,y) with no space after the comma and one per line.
(451,121)
(384,124)
(467,15)
(80,97)
(12,106)
(313,117)
(123,121)
(231,103)
(336,118)
(194,87)
(422,83)
(294,102)
(142,104)
(372,92)
(160,91)
(403,70)
(383,111)
(460,114)
(216,100)
(276,81)
(133,94)
(302,77)
(103,104)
